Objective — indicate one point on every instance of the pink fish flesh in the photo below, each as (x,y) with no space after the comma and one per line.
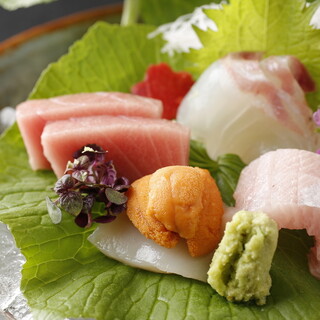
(32,115)
(138,146)
(285,184)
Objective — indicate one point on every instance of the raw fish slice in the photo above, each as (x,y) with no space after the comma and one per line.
(248,106)
(32,115)
(285,184)
(290,76)
(121,241)
(138,146)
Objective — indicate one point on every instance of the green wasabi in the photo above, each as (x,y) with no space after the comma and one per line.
(240,266)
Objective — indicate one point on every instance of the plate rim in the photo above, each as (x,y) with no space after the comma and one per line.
(60,23)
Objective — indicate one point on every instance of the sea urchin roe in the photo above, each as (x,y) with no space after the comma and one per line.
(178,202)
(240,266)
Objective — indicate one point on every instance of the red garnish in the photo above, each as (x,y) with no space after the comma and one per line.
(162,83)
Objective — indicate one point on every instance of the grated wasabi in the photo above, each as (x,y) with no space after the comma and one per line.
(240,266)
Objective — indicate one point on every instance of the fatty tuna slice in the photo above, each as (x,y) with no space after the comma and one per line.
(285,184)
(32,115)
(138,146)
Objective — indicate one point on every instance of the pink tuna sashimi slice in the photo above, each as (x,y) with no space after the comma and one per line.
(247,105)
(32,115)
(138,146)
(285,184)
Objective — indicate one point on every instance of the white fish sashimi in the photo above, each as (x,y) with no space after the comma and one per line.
(245,105)
(121,241)
(285,184)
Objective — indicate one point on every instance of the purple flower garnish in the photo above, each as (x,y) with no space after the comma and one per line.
(88,180)
(64,184)
(83,220)
(316,117)
(71,201)
(93,151)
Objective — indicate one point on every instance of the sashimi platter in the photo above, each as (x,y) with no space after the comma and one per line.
(170,169)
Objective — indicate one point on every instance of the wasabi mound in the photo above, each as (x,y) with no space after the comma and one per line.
(240,266)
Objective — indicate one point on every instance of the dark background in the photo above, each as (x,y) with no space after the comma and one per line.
(13,22)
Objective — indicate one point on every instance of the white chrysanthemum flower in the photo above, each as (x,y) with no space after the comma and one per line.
(315,21)
(180,35)
(7,117)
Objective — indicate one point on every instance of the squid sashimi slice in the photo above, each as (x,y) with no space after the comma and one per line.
(32,115)
(285,184)
(123,242)
(245,105)
(137,146)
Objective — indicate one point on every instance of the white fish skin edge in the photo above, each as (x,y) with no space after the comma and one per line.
(121,241)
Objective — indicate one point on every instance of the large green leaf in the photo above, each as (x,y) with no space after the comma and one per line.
(158,12)
(109,57)
(270,26)
(65,276)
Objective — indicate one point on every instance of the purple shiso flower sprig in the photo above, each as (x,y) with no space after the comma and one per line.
(316,120)
(89,179)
